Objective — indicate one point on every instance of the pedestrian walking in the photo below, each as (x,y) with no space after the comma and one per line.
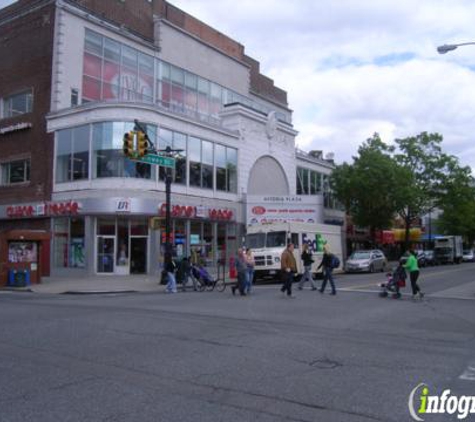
(251,263)
(183,274)
(327,269)
(241,268)
(413,268)
(288,267)
(170,268)
(307,265)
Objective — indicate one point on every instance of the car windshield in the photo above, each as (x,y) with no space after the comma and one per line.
(467,252)
(360,255)
(429,253)
(256,240)
(276,239)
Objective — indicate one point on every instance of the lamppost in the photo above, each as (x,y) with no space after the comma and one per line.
(442,49)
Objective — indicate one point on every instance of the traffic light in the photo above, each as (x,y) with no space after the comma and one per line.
(142,144)
(129,150)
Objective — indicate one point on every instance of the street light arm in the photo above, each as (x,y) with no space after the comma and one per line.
(442,49)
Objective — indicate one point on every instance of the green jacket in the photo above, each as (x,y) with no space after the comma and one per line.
(411,264)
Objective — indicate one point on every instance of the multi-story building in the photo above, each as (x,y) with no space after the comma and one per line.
(75,76)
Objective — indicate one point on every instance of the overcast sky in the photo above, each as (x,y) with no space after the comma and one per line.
(355,67)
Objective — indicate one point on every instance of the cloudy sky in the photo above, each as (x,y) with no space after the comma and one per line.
(355,67)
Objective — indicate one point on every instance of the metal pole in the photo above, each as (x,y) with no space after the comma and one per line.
(168,183)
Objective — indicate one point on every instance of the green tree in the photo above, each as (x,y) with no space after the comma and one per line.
(422,157)
(370,188)
(457,202)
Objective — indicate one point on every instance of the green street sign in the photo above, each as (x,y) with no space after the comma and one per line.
(158,160)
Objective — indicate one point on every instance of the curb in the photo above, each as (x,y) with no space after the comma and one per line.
(96,292)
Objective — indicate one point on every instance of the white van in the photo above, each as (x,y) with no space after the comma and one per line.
(268,241)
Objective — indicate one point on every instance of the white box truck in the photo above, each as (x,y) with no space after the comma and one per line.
(268,241)
(448,249)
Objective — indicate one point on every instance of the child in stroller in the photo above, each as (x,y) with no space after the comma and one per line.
(396,280)
(201,275)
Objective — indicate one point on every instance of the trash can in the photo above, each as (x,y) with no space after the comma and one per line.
(19,278)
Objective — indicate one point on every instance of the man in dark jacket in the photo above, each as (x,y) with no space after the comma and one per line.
(327,264)
(288,267)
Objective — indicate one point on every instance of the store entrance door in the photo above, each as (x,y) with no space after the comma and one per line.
(138,255)
(105,254)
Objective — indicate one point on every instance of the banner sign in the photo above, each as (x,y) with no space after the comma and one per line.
(284,209)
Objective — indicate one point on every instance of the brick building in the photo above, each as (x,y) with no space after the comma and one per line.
(77,76)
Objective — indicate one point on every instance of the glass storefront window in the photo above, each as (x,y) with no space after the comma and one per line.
(122,258)
(179,238)
(69,243)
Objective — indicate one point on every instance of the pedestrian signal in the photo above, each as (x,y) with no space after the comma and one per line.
(129,147)
(142,144)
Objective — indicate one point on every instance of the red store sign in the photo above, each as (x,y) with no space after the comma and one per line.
(187,211)
(45,209)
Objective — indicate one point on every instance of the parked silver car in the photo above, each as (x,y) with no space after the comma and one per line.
(368,260)
(468,255)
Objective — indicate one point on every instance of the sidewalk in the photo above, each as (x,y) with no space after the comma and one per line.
(94,284)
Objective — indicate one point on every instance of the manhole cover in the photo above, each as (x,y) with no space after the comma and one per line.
(325,364)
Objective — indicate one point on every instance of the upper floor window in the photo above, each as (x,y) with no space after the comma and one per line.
(113,71)
(309,182)
(17,104)
(15,172)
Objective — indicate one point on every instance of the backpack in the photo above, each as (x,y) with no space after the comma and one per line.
(335,261)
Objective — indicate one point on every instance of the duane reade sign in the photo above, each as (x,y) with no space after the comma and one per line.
(284,208)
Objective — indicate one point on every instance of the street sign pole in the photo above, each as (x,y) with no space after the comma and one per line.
(168,184)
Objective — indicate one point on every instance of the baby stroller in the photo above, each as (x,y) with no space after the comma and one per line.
(395,281)
(202,277)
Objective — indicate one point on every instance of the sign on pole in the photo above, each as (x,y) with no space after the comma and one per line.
(158,160)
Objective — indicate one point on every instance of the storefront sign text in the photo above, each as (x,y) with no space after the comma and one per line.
(45,209)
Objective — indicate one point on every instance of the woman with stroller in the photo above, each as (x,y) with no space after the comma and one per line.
(413,268)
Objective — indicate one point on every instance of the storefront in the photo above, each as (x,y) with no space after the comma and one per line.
(120,236)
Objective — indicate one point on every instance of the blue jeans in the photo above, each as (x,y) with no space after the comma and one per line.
(250,277)
(328,276)
(171,283)
(307,276)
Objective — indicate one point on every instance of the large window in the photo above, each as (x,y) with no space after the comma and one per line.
(68,243)
(72,154)
(108,158)
(226,168)
(309,182)
(115,71)
(17,104)
(201,163)
(96,151)
(176,141)
(15,172)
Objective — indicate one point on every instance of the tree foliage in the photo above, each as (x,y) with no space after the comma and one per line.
(410,178)
(457,202)
(369,187)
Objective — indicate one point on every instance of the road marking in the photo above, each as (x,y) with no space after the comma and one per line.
(469,374)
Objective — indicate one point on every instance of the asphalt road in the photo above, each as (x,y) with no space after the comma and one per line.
(216,357)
